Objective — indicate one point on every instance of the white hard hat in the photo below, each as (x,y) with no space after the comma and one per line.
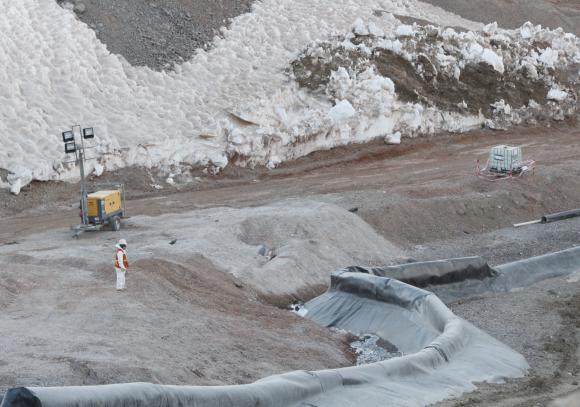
(122,242)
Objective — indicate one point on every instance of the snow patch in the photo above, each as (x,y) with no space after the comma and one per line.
(16,186)
(99,169)
(476,53)
(393,138)
(557,94)
(404,31)
(549,57)
(341,112)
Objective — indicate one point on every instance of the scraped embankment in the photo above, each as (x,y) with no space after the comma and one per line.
(284,250)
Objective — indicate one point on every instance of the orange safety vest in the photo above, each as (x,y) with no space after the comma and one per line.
(125,262)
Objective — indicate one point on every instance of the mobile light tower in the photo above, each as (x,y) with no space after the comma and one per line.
(100,208)
(72,146)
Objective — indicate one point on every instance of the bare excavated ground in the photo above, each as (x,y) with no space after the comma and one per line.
(422,195)
(172,327)
(180,321)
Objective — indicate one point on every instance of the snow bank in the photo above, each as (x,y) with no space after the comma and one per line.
(55,73)
(414,80)
(232,104)
(342,111)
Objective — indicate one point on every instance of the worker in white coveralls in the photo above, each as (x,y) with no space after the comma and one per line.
(121,263)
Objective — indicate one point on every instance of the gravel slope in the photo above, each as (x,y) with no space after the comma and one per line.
(542,323)
(513,13)
(156,33)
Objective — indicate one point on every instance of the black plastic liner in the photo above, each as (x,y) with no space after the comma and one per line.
(20,397)
(518,274)
(429,273)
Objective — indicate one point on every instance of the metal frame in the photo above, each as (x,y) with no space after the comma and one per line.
(524,167)
(80,158)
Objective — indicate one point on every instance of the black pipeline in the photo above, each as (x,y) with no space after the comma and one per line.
(553,217)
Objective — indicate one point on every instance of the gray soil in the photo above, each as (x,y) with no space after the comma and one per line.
(541,322)
(514,13)
(178,322)
(157,33)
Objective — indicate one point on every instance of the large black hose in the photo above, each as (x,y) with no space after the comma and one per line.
(430,273)
(554,217)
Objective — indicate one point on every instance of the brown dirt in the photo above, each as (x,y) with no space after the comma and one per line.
(313,75)
(479,85)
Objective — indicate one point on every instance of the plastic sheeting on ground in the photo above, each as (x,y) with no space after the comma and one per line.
(438,272)
(518,274)
(446,355)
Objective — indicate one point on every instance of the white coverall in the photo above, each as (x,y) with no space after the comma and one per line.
(121,265)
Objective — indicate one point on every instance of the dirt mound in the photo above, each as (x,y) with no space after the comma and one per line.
(199,283)
(479,85)
(433,68)
(280,249)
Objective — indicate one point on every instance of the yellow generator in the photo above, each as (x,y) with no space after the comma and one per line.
(105,207)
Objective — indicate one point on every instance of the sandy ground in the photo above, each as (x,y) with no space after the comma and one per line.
(421,196)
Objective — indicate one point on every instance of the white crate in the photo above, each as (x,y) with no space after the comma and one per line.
(505,158)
